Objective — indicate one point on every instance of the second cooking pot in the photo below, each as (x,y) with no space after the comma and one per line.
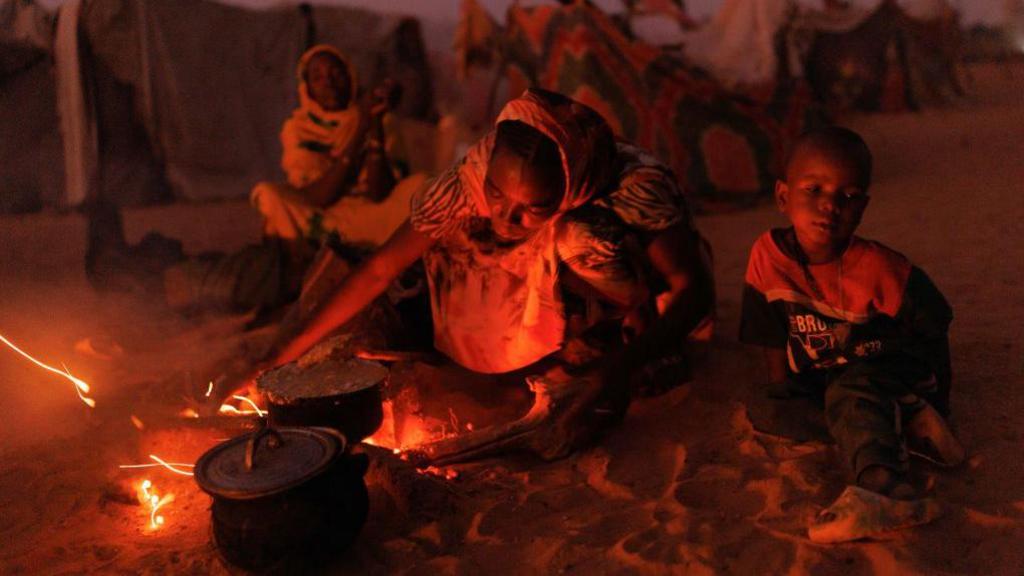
(341,394)
(284,499)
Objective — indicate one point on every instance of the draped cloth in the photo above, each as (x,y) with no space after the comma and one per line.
(499,307)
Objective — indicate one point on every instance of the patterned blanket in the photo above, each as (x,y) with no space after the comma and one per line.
(726,148)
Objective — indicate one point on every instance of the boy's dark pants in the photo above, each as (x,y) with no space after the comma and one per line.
(863,409)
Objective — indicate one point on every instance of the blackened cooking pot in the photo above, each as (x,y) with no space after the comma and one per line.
(340,394)
(284,499)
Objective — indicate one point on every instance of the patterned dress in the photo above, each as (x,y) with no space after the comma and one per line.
(500,306)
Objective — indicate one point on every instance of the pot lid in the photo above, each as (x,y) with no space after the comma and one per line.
(293,381)
(281,458)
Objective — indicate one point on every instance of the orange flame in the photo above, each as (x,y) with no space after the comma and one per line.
(81,388)
(405,429)
(155,502)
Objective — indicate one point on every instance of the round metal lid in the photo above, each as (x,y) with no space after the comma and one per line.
(282,458)
(293,382)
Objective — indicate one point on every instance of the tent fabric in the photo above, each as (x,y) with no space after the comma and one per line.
(25,24)
(725,148)
(31,173)
(179,99)
(806,25)
(738,46)
(883,59)
(214,82)
(75,106)
(30,145)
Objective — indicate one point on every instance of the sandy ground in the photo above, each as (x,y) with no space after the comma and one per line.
(685,485)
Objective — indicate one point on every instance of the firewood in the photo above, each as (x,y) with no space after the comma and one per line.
(563,416)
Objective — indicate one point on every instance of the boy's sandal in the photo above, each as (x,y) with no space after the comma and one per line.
(929,437)
(860,513)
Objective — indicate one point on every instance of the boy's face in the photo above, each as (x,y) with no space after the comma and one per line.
(824,198)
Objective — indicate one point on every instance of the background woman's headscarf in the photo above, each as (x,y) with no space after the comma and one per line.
(305,100)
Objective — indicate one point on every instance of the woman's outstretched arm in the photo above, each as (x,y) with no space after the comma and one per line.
(357,290)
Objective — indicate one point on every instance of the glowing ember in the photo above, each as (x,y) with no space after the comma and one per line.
(172,466)
(403,429)
(136,422)
(446,473)
(209,389)
(229,409)
(80,386)
(149,496)
(188,413)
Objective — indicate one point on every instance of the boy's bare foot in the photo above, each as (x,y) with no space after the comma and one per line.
(929,437)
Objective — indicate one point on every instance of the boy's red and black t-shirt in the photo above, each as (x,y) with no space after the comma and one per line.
(871,301)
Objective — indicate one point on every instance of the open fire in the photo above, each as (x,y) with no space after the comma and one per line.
(147,494)
(404,427)
(149,497)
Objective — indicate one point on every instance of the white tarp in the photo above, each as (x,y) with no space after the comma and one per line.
(738,46)
(77,115)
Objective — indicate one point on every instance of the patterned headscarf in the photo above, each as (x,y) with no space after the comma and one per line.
(585,144)
(305,100)
(312,135)
(584,140)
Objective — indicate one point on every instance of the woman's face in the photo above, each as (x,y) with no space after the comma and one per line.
(328,82)
(521,197)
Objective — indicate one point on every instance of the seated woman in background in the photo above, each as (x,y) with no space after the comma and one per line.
(549,245)
(343,164)
(343,180)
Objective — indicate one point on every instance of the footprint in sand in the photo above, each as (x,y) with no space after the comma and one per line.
(720,490)
(594,465)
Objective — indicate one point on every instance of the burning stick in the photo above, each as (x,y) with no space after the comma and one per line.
(81,388)
(560,418)
(397,356)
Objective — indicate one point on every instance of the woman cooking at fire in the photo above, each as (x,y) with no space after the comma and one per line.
(546,234)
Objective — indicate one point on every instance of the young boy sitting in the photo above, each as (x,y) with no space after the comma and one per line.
(854,322)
